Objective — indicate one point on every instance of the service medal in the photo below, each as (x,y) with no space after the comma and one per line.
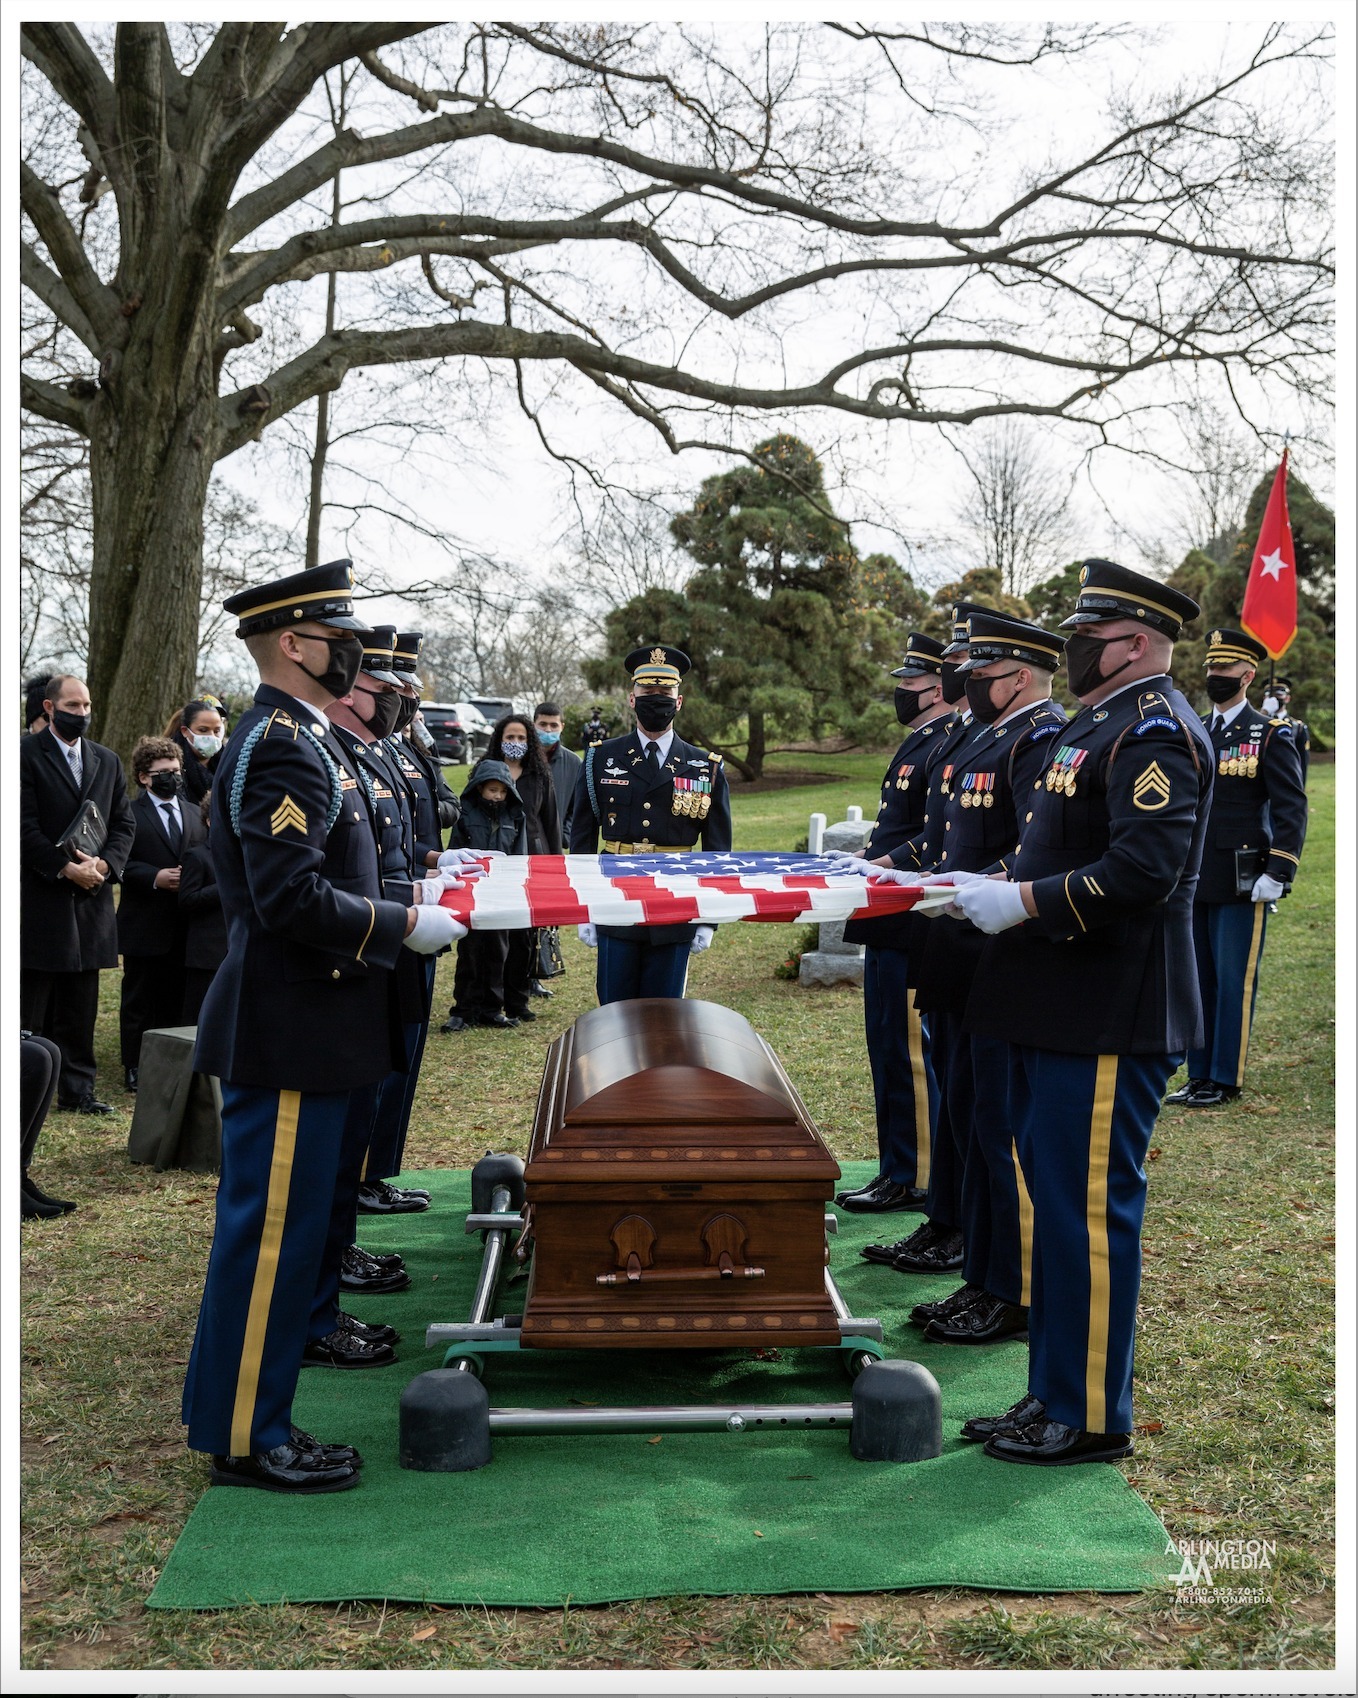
(1069,785)
(1252,766)
(987,801)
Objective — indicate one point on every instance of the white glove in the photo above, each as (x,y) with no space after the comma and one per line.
(429,890)
(463,858)
(992,904)
(702,939)
(1269,705)
(851,863)
(1267,889)
(889,875)
(434,929)
(588,935)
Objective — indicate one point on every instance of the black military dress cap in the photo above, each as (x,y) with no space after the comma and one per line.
(961,612)
(922,655)
(377,662)
(653,663)
(995,636)
(323,593)
(1109,591)
(406,657)
(1225,647)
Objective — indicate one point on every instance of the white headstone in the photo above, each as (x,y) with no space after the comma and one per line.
(815,835)
(854,814)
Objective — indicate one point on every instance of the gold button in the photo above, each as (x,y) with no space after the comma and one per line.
(945,854)
(335,973)
(355,813)
(1037,784)
(1028,815)
(386,819)
(947,825)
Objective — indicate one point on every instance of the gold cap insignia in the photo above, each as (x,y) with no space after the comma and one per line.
(657,657)
(1084,575)
(1215,637)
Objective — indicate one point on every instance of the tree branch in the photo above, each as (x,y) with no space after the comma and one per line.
(50,402)
(68,62)
(96,300)
(55,296)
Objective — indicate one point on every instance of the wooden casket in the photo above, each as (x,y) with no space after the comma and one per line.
(676,1188)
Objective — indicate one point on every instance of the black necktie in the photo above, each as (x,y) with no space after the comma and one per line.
(1218,723)
(173,829)
(653,756)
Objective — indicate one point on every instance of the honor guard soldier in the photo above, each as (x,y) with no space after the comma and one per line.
(1091,939)
(436,805)
(649,793)
(297,1025)
(1277,704)
(903,1086)
(936,1246)
(1008,670)
(1253,849)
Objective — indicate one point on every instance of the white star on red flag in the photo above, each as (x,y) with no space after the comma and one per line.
(1272,565)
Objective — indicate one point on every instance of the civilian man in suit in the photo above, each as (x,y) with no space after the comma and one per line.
(67,931)
(151,927)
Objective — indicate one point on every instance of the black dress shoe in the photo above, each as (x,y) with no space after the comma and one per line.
(1021,1414)
(129,1078)
(286,1468)
(1211,1095)
(371,1332)
(870,1189)
(520,1014)
(376,1197)
(942,1256)
(86,1105)
(923,1236)
(368,1261)
(537,988)
(341,1349)
(886,1199)
(369,1281)
(337,1453)
(1052,1444)
(35,1209)
(1184,1092)
(29,1189)
(454,1023)
(944,1308)
(986,1321)
(500,1020)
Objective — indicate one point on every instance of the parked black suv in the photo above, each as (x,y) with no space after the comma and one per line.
(445,726)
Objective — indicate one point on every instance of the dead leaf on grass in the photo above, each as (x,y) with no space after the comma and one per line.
(1150,1428)
(842,1627)
(655,1440)
(425,1633)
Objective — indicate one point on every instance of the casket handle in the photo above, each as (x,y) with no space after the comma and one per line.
(652,1276)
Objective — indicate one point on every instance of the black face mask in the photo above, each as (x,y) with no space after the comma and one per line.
(954,683)
(980,702)
(1084,663)
(406,710)
(346,658)
(70,725)
(167,784)
(1221,689)
(382,711)
(908,704)
(654,713)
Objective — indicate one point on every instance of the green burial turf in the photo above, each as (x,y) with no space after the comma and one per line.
(594,1518)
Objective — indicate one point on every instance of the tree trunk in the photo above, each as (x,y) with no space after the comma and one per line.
(753,765)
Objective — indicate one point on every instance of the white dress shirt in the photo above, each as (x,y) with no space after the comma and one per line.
(664,742)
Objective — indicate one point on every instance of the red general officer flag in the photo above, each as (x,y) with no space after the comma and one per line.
(1270,610)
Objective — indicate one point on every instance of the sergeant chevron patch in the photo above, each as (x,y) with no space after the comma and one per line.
(1151,790)
(287,813)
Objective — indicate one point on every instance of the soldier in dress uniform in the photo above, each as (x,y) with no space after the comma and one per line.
(1253,849)
(643,793)
(935,1246)
(297,1025)
(1277,703)
(1091,939)
(1009,668)
(904,1091)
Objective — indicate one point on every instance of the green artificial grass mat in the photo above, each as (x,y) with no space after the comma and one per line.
(596,1518)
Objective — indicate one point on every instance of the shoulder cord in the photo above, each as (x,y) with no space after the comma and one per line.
(589,783)
(243,763)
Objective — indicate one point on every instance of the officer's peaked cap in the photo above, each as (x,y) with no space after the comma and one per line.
(653,663)
(997,636)
(1225,647)
(406,657)
(1109,591)
(923,655)
(378,644)
(324,593)
(961,612)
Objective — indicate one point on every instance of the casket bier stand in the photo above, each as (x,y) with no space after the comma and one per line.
(674,1198)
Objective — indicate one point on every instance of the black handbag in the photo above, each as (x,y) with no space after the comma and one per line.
(1249,864)
(86,834)
(551,964)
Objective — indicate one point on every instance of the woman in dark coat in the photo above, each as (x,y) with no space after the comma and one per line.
(200,904)
(200,731)
(514,740)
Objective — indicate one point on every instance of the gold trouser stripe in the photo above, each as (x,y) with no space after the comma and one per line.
(914,1033)
(1247,989)
(266,1271)
(1096,1223)
(1025,1214)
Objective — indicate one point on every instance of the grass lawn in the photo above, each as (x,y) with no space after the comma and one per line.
(1235,1393)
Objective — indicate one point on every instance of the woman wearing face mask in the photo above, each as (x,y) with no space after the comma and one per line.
(199,731)
(514,740)
(152,929)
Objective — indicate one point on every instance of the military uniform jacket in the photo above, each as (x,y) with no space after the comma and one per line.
(435,805)
(986,786)
(304,999)
(1112,841)
(393,820)
(1258,817)
(663,811)
(900,816)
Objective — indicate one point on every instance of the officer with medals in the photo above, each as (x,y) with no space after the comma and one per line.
(1090,932)
(436,805)
(1253,849)
(297,1025)
(936,1245)
(1277,704)
(1009,669)
(903,1086)
(647,793)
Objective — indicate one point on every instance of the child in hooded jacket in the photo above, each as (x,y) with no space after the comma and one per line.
(492,817)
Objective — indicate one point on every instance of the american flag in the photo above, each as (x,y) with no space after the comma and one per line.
(663,890)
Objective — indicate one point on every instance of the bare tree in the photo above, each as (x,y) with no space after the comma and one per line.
(640,213)
(1019,514)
